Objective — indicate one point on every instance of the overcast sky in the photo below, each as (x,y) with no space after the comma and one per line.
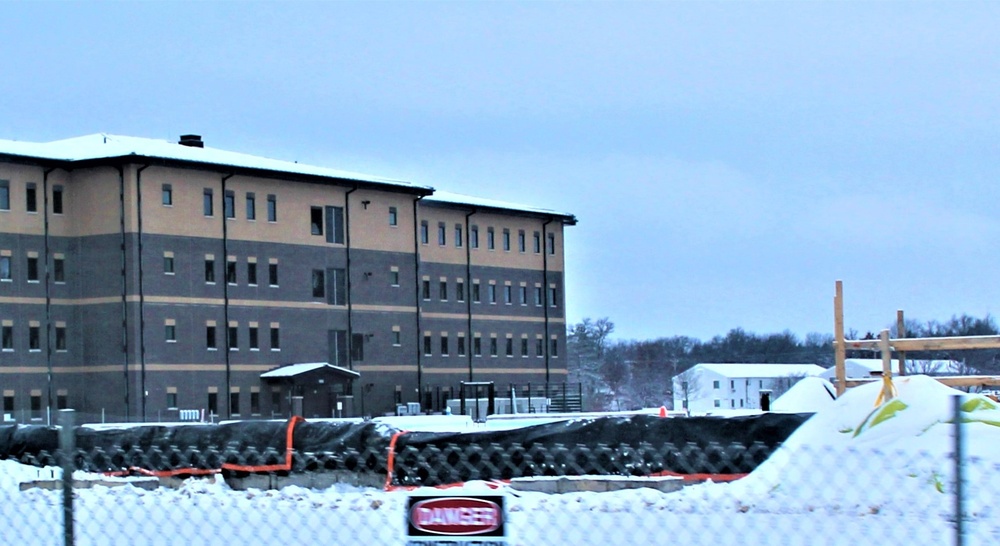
(727,162)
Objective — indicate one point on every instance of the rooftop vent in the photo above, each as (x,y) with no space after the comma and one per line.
(193,141)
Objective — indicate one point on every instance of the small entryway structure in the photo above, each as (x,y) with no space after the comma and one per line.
(326,390)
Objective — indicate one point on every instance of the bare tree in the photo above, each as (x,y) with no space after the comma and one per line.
(688,384)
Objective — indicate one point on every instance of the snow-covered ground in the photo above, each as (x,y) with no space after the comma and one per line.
(853,474)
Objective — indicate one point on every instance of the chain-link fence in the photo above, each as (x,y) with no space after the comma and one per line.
(623,493)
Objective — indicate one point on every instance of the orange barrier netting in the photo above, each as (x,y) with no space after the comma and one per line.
(391,459)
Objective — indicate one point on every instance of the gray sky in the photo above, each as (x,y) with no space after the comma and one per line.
(727,162)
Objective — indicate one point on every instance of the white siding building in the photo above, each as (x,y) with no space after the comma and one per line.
(712,387)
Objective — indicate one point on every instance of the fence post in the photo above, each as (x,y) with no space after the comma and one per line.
(67,446)
(959,473)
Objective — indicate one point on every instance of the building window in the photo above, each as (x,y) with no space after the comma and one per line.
(521,243)
(275,338)
(57,199)
(209,270)
(426,289)
(213,403)
(168,265)
(524,347)
(337,279)
(537,242)
(475,292)
(491,242)
(538,296)
(444,344)
(34,338)
(170,333)
(458,235)
(427,345)
(210,338)
(231,271)
(460,291)
(254,403)
(492,290)
(4,195)
(509,349)
(272,208)
(5,273)
(461,346)
(508,297)
(59,270)
(394,277)
(443,290)
(335,225)
(393,217)
(207,208)
(474,236)
(442,239)
(229,204)
(717,403)
(61,338)
(493,346)
(396,338)
(233,338)
(316,220)
(318,283)
(424,232)
(252,273)
(539,347)
(552,243)
(554,349)
(715,385)
(251,206)
(7,338)
(477,346)
(253,339)
(8,404)
(506,240)
(276,400)
(167,195)
(553,296)
(523,292)
(36,403)
(32,269)
(31,198)
(171,399)
(272,274)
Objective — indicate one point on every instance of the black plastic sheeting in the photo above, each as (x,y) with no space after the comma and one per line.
(610,445)
(639,445)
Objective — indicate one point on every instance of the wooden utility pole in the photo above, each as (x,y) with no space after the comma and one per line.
(901,333)
(840,350)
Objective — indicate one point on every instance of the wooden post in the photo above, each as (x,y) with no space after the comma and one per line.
(900,333)
(886,350)
(840,350)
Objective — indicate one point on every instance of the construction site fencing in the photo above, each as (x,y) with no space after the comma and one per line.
(552,494)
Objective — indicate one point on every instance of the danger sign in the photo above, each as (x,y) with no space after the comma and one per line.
(433,520)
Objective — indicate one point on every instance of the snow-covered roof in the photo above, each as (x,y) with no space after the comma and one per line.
(291,370)
(761,370)
(105,146)
(810,395)
(479,202)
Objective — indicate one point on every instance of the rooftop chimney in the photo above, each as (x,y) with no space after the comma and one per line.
(193,141)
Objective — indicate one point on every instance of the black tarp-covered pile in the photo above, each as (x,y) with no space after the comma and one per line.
(639,445)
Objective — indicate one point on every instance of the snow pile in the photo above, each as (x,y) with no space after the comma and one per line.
(809,395)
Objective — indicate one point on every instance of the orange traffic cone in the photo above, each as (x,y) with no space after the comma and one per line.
(663,411)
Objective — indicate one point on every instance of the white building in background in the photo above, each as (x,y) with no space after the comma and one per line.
(859,368)
(712,387)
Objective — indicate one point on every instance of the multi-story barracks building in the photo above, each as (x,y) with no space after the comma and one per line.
(145,280)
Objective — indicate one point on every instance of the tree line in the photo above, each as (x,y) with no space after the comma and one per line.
(625,374)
